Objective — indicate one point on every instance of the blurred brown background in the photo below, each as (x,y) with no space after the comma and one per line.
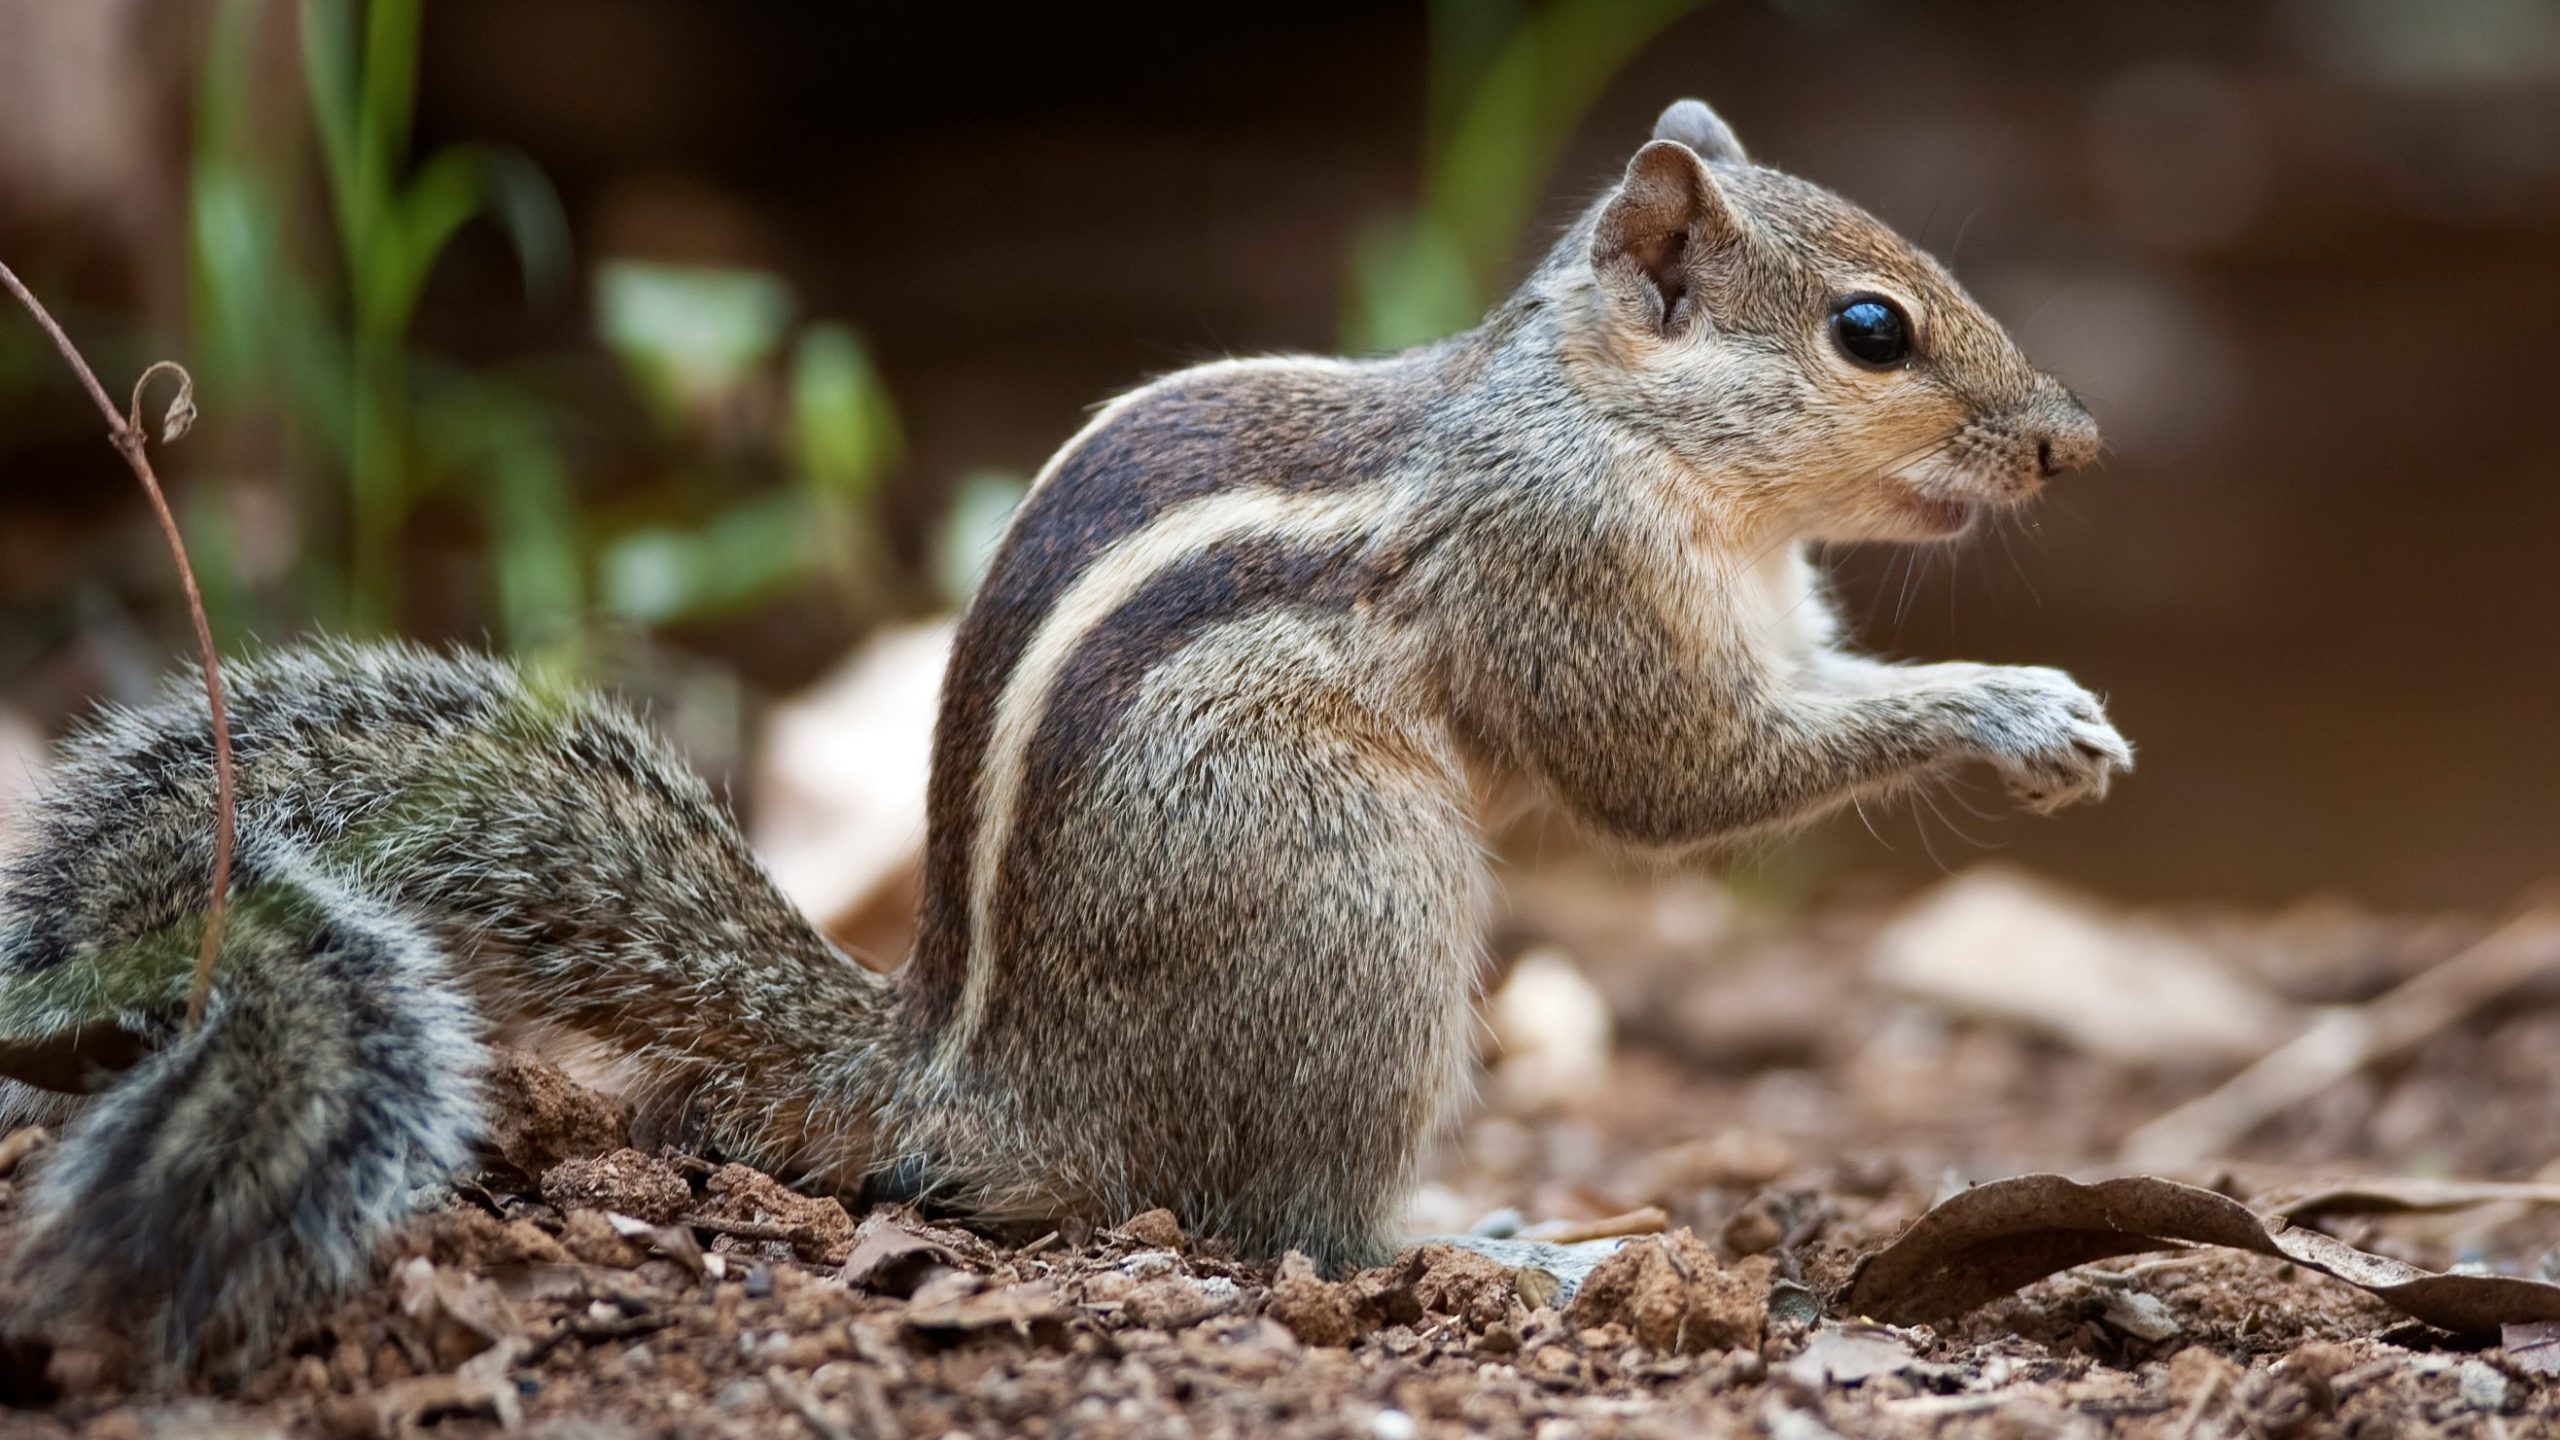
(2298,255)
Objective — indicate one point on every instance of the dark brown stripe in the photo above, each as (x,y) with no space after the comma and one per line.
(1229,581)
(1296,432)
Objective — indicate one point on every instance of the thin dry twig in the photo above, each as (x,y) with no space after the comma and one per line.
(126,432)
(2340,1042)
(1649,1220)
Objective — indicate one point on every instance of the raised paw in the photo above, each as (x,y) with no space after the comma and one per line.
(2048,736)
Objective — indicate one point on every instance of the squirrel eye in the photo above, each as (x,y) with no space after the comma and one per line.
(1872,331)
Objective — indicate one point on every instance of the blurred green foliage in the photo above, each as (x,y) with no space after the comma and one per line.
(770,443)
(344,454)
(1509,82)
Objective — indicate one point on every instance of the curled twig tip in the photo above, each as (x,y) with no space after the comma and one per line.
(181,414)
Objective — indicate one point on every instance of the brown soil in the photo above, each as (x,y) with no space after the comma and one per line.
(1784,1115)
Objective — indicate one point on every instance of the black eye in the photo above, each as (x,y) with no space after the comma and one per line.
(1872,331)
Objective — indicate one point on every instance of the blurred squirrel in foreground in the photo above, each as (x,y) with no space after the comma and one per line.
(1205,873)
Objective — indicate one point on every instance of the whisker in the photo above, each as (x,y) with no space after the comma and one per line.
(1930,798)
(1919,800)
(1900,557)
(1951,553)
(1962,795)
(1859,804)
(1902,607)
(2001,530)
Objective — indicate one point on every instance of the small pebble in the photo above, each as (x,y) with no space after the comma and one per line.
(2484,1386)
(2140,1314)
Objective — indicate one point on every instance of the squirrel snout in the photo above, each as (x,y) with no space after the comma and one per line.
(2066,438)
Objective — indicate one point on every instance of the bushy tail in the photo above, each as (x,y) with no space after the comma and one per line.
(245,1174)
(427,842)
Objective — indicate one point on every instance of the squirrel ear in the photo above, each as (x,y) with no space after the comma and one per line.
(1692,124)
(1667,208)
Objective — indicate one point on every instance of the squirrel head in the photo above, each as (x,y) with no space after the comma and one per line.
(1794,353)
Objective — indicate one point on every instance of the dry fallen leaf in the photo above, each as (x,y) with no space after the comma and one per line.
(2535,1347)
(2390,1195)
(459,1315)
(482,1386)
(1851,1355)
(892,1259)
(1030,1303)
(1994,1238)
(673,1241)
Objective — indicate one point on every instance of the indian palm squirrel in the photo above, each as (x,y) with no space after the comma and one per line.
(1205,878)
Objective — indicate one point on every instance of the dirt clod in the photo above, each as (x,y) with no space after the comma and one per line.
(817,1229)
(1478,1291)
(539,1117)
(1317,1311)
(1672,1295)
(625,1181)
(1156,1229)
(590,1238)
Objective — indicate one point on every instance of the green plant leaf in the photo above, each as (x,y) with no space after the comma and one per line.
(967,543)
(456,185)
(665,574)
(1500,114)
(1411,283)
(689,334)
(842,424)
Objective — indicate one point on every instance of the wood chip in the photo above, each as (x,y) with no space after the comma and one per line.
(1650,1220)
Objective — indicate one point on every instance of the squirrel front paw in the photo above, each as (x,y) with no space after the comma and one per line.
(2047,735)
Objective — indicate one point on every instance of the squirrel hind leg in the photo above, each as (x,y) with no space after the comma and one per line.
(222,1191)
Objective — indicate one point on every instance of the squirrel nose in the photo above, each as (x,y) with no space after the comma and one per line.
(2069,438)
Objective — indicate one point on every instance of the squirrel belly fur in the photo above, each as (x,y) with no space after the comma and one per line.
(1204,875)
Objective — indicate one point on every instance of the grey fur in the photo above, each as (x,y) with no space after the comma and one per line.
(431,846)
(239,1177)
(1701,129)
(1204,884)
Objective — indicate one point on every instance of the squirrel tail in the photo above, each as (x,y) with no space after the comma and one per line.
(430,845)
(247,1172)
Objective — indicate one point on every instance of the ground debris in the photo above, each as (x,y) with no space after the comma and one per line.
(624,1182)
(2006,947)
(2344,1040)
(1672,1294)
(619,1294)
(749,1205)
(1850,1355)
(1999,1236)
(539,1116)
